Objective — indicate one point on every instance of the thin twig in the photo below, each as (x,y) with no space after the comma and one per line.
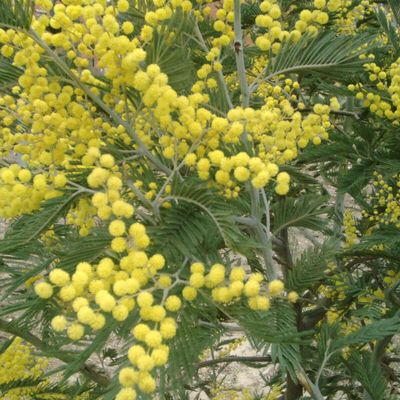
(231,359)
(239,54)
(221,78)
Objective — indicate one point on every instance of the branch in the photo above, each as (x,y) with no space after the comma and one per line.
(86,370)
(239,54)
(202,43)
(231,359)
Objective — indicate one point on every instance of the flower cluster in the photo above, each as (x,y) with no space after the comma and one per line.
(18,362)
(350,229)
(385,201)
(382,94)
(135,283)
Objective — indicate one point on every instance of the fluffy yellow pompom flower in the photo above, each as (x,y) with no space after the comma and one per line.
(121,208)
(86,315)
(242,174)
(123,6)
(283,178)
(145,299)
(145,363)
(153,338)
(160,355)
(44,290)
(282,189)
(275,287)
(59,277)
(140,331)
(251,288)
(237,274)
(164,281)
(173,303)
(293,297)
(75,331)
(263,303)
(67,293)
(263,43)
(128,376)
(105,267)
(120,312)
(197,280)
(98,322)
(157,313)
(118,244)
(319,3)
(78,303)
(117,228)
(197,267)
(137,229)
(126,394)
(24,175)
(105,300)
(59,323)
(134,353)
(216,275)
(168,328)
(127,27)
(189,293)
(97,177)
(157,261)
(147,384)
(60,180)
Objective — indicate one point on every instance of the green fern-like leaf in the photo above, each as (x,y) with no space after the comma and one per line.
(213,206)
(28,383)
(389,27)
(190,342)
(310,268)
(327,54)
(16,13)
(374,331)
(304,211)
(9,74)
(28,227)
(394,5)
(368,372)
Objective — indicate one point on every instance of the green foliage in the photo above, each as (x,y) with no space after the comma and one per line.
(368,372)
(9,74)
(374,331)
(21,235)
(182,367)
(166,49)
(389,27)
(16,13)
(312,266)
(326,54)
(304,211)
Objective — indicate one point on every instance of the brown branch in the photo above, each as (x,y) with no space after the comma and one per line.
(231,359)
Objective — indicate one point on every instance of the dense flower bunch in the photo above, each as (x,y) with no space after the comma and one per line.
(108,290)
(59,130)
(350,15)
(350,229)
(382,93)
(18,362)
(385,201)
